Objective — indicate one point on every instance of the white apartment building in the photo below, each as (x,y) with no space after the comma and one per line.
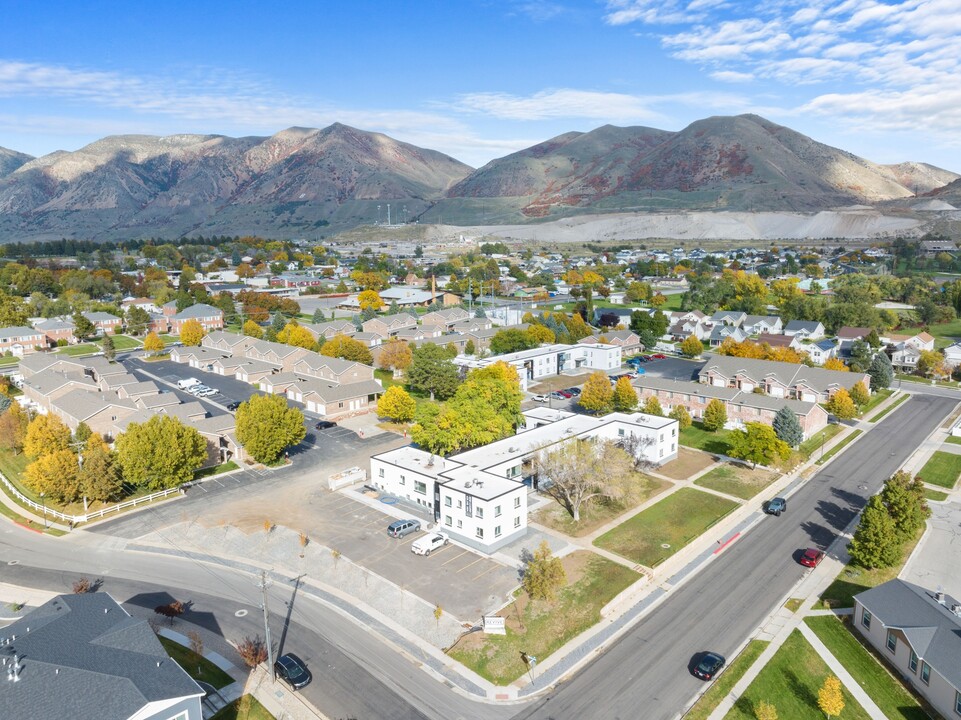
(532,365)
(480,496)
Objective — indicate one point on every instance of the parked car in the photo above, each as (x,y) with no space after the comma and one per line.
(574,391)
(776,506)
(324,425)
(557,395)
(399,528)
(709,666)
(812,557)
(233,405)
(207,392)
(564,394)
(424,545)
(659,356)
(640,371)
(188,383)
(540,398)
(293,671)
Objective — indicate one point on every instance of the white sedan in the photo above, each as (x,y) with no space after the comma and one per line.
(540,398)
(427,543)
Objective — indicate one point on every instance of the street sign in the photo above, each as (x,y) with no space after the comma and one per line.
(494,625)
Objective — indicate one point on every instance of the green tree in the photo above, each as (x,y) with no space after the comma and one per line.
(346,348)
(152,343)
(278,322)
(395,404)
(861,356)
(880,371)
(875,543)
(543,574)
(597,394)
(830,697)
(470,348)
(758,443)
(583,472)
(488,404)
(137,320)
(787,427)
(266,426)
(45,434)
(160,453)
(859,394)
(82,434)
(82,328)
(873,339)
(906,504)
(841,405)
(99,477)
(652,406)
(109,351)
(715,415)
(436,429)
(511,340)
(318,316)
(692,347)
(191,333)
(625,396)
(431,371)
(55,475)
(682,416)
(252,329)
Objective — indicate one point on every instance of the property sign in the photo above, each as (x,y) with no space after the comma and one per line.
(494,625)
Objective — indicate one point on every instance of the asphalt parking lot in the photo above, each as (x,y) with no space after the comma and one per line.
(674,368)
(228,389)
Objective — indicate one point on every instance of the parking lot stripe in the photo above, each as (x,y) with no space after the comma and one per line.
(462,552)
(484,572)
(469,564)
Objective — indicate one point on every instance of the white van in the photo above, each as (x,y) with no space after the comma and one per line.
(188,383)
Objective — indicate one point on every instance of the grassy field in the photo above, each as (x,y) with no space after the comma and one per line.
(196,666)
(124,342)
(713,442)
(838,448)
(942,469)
(935,495)
(674,521)
(599,513)
(540,627)
(243,708)
(736,480)
(705,704)
(813,444)
(877,397)
(81,349)
(216,470)
(854,579)
(12,360)
(790,682)
(882,687)
(890,408)
(954,440)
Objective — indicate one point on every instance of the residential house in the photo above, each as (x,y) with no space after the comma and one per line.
(331,329)
(56,330)
(419,334)
(210,318)
(445,318)
(822,351)
(731,318)
(104,322)
(848,335)
(627,340)
(145,304)
(805,329)
(470,325)
(720,333)
(19,340)
(952,354)
(918,633)
(43,387)
(781,341)
(334,401)
(83,657)
(762,324)
(904,356)
(480,497)
(389,325)
(549,360)
(99,410)
(779,379)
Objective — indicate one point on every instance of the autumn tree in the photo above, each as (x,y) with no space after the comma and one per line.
(931,364)
(596,395)
(715,415)
(395,355)
(543,574)
(682,416)
(691,347)
(431,371)
(765,711)
(252,329)
(45,434)
(830,697)
(191,333)
(346,348)
(160,453)
(582,472)
(835,364)
(624,397)
(267,426)
(152,343)
(859,394)
(396,404)
(55,475)
(841,405)
(652,406)
(875,543)
(540,334)
(14,422)
(296,335)
(370,300)
(99,476)
(787,427)
(758,443)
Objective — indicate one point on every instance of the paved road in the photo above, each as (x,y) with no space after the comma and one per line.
(646,673)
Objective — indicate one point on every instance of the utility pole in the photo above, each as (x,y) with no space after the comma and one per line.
(263,585)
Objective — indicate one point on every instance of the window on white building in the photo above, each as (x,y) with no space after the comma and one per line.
(420,487)
(517,522)
(866,618)
(517,502)
(892,641)
(181,716)
(460,524)
(403,480)
(925,673)
(479,512)
(913,661)
(380,473)
(497,531)
(447,520)
(662,452)
(620,432)
(480,533)
(497,511)
(447,501)
(460,504)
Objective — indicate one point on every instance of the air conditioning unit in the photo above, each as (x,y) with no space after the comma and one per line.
(956,609)
(939,596)
(469,483)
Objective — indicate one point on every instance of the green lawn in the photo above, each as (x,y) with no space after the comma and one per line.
(813,444)
(705,704)
(790,682)
(674,521)
(890,408)
(169,339)
(882,687)
(713,442)
(838,448)
(12,360)
(124,342)
(196,666)
(244,708)
(877,397)
(736,480)
(81,349)
(216,470)
(942,469)
(540,627)
(854,579)
(954,440)
(935,495)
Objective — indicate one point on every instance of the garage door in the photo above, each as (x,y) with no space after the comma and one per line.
(809,397)
(777,392)
(747,386)
(719,382)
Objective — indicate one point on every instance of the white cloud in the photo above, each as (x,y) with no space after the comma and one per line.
(731,76)
(559,103)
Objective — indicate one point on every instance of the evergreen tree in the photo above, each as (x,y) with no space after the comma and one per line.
(788,427)
(875,543)
(278,323)
(880,371)
(109,351)
(906,504)
(319,316)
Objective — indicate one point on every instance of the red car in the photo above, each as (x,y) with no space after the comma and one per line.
(812,557)
(659,356)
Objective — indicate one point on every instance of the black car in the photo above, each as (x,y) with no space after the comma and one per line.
(776,506)
(710,665)
(325,425)
(575,391)
(293,671)
(233,405)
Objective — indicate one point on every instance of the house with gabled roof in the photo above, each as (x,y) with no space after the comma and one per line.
(918,633)
(104,322)
(627,340)
(445,318)
(333,400)
(330,329)
(43,387)
(762,324)
(805,329)
(57,329)
(99,410)
(20,340)
(720,333)
(83,657)
(821,351)
(733,318)
(210,318)
(779,379)
(389,325)
(780,341)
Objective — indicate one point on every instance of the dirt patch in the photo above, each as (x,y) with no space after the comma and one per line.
(738,480)
(689,462)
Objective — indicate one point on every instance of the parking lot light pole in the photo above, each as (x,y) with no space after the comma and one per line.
(264,584)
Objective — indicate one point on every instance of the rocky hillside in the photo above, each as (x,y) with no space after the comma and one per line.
(10,160)
(293,183)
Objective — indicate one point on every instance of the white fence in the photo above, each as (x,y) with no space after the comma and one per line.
(347,477)
(86,517)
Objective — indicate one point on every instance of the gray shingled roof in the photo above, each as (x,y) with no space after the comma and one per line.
(82,404)
(198,310)
(329,392)
(789,374)
(732,395)
(18,331)
(47,381)
(85,658)
(932,629)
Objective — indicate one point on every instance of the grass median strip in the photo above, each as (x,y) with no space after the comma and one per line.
(889,408)
(935,495)
(673,522)
(942,469)
(706,704)
(790,681)
(890,695)
(243,708)
(196,666)
(837,448)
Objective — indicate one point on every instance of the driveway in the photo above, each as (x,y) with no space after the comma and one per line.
(229,389)
(936,563)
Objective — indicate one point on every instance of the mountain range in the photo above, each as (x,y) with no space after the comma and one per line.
(311,183)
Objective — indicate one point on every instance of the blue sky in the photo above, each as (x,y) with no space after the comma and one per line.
(479,79)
